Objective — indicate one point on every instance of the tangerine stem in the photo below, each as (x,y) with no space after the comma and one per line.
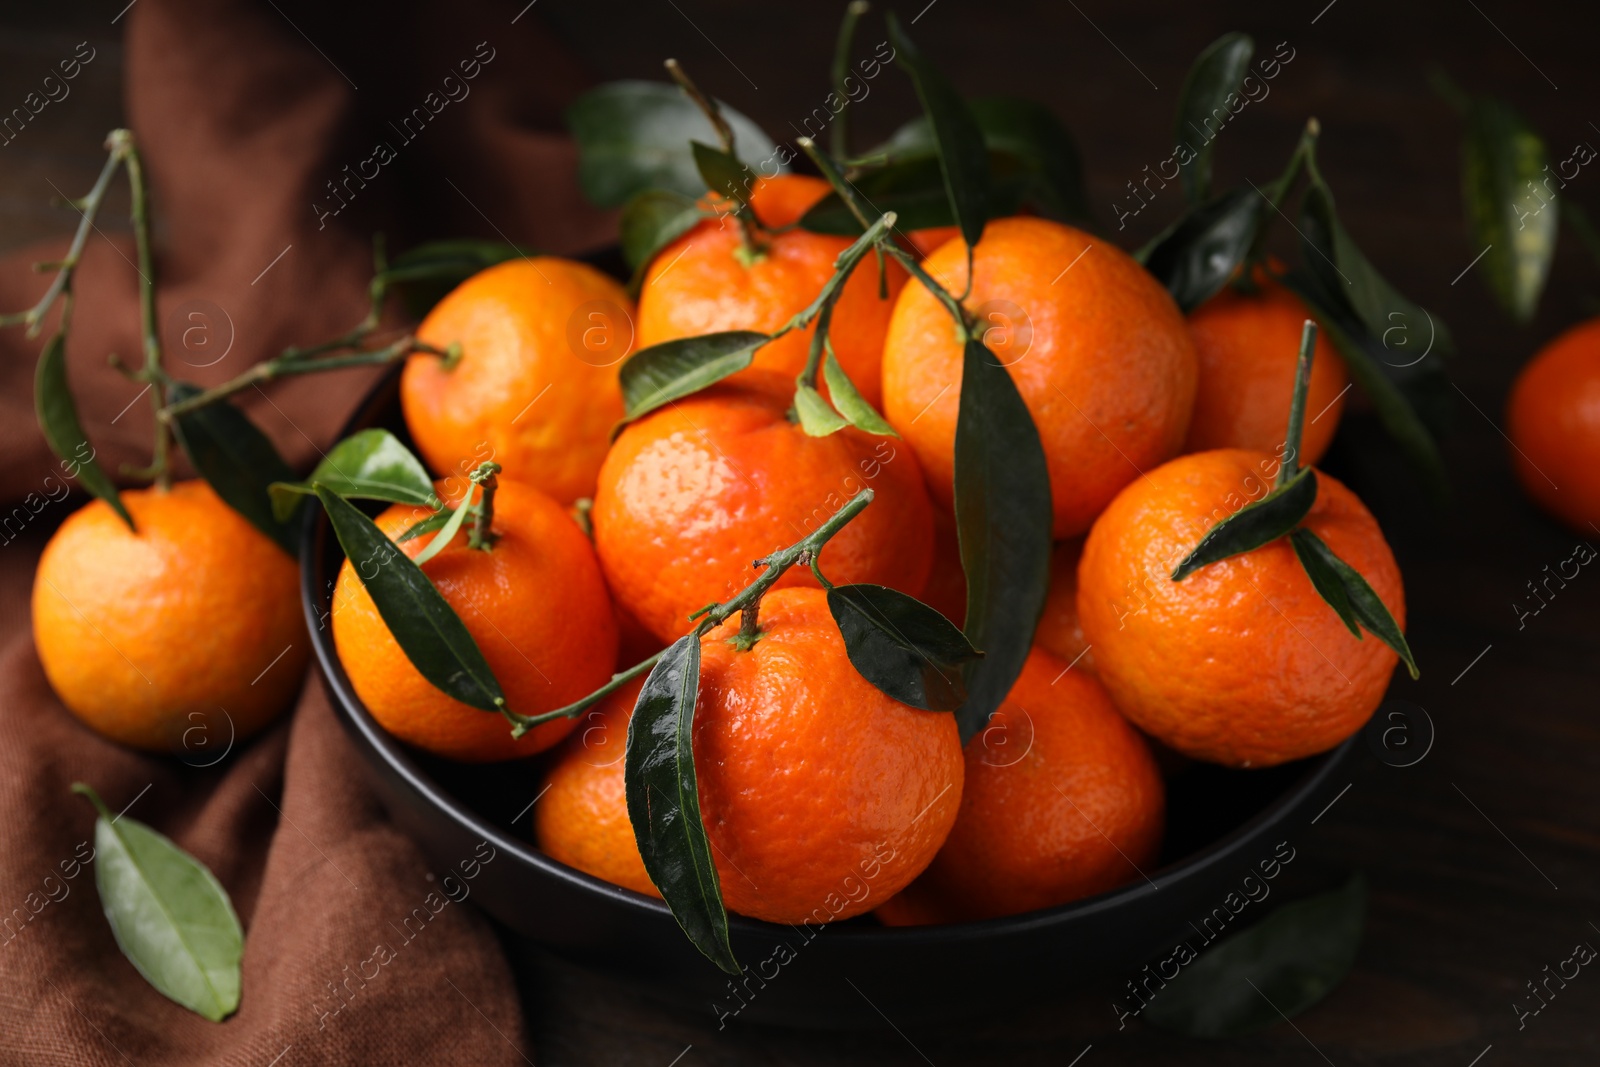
(803,551)
(703,102)
(152,372)
(1297,406)
(940,293)
(1304,154)
(482,536)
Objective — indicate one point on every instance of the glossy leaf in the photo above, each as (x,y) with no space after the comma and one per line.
(664,801)
(1327,581)
(1275,969)
(851,404)
(1003,519)
(1376,376)
(1363,602)
(1254,525)
(236,459)
(425,274)
(1332,255)
(1511,206)
(58,420)
(170,916)
(902,646)
(634,135)
(673,370)
(651,220)
(447,531)
(1217,74)
(963,157)
(367,465)
(724,174)
(425,626)
(1196,256)
(817,419)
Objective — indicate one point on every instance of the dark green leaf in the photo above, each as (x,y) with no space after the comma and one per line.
(1376,371)
(723,173)
(902,646)
(1344,270)
(1325,579)
(816,418)
(634,135)
(963,158)
(1004,519)
(1217,74)
(652,220)
(915,191)
(367,465)
(1275,969)
(1362,601)
(664,801)
(673,370)
(170,916)
(1503,164)
(1254,525)
(58,419)
(851,404)
(424,274)
(432,524)
(1197,255)
(236,459)
(424,625)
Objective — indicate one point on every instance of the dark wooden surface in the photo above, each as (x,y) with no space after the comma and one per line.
(1482,858)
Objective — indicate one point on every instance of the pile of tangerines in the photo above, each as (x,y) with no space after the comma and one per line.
(601,535)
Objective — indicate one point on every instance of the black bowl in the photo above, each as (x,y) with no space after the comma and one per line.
(1221,824)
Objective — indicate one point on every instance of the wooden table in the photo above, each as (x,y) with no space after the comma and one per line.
(1482,858)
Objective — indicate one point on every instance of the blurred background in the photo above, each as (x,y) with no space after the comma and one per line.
(1470,897)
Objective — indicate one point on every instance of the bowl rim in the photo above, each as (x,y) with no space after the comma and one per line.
(1223,850)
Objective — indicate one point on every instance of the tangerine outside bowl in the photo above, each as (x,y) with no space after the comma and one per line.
(1221,824)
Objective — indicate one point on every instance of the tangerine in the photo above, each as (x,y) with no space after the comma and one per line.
(692,493)
(1553,420)
(1062,800)
(535,387)
(179,633)
(1098,350)
(1242,662)
(534,602)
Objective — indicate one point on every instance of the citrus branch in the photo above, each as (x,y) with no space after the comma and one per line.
(747,601)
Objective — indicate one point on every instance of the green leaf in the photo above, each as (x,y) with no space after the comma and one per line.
(915,191)
(1217,74)
(58,419)
(1502,162)
(425,274)
(1024,138)
(432,524)
(424,625)
(1254,525)
(1363,602)
(447,532)
(963,158)
(673,370)
(1325,579)
(236,459)
(902,646)
(1275,969)
(723,173)
(1003,519)
(650,221)
(1332,255)
(634,135)
(170,916)
(1377,378)
(664,801)
(367,465)
(817,419)
(851,404)
(1195,257)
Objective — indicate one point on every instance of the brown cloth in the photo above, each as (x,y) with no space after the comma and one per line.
(246,112)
